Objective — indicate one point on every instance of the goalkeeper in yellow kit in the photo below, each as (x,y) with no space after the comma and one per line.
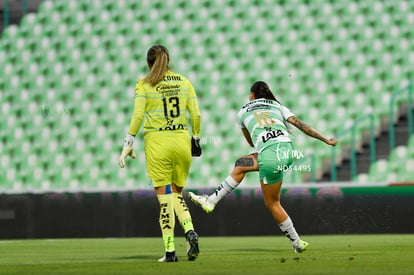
(162,100)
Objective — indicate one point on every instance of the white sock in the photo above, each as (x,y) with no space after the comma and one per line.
(289,230)
(226,187)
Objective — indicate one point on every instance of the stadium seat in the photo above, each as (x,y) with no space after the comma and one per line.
(398,166)
(379,171)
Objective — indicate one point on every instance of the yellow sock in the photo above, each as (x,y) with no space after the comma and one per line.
(167,220)
(182,212)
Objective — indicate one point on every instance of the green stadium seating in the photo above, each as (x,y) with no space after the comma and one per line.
(398,166)
(69,72)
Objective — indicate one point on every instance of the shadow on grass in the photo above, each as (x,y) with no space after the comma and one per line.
(271,250)
(137,257)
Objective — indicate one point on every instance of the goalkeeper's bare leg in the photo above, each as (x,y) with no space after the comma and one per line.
(242,166)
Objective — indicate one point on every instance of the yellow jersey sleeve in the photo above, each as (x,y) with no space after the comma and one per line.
(139,109)
(164,107)
(194,112)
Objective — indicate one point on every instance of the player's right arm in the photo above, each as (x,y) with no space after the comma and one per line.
(308,130)
(136,121)
(243,127)
(139,109)
(247,136)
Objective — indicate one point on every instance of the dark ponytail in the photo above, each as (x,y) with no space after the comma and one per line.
(261,90)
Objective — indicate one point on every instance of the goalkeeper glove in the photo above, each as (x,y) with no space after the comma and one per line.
(195,147)
(127,150)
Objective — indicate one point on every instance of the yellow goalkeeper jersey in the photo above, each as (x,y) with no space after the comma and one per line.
(164,106)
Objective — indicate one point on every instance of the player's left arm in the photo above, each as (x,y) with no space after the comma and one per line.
(195,117)
(308,130)
(194,111)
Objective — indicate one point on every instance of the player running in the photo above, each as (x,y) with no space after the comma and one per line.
(263,123)
(163,97)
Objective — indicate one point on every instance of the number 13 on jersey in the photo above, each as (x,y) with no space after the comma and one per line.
(171,107)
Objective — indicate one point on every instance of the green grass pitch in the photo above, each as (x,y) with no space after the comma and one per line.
(333,254)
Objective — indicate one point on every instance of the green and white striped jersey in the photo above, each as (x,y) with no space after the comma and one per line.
(265,120)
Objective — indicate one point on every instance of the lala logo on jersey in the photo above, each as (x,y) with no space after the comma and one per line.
(171,127)
(272,134)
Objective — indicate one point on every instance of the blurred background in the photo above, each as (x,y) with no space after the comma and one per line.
(69,68)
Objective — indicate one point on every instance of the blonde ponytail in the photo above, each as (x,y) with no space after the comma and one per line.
(158,60)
